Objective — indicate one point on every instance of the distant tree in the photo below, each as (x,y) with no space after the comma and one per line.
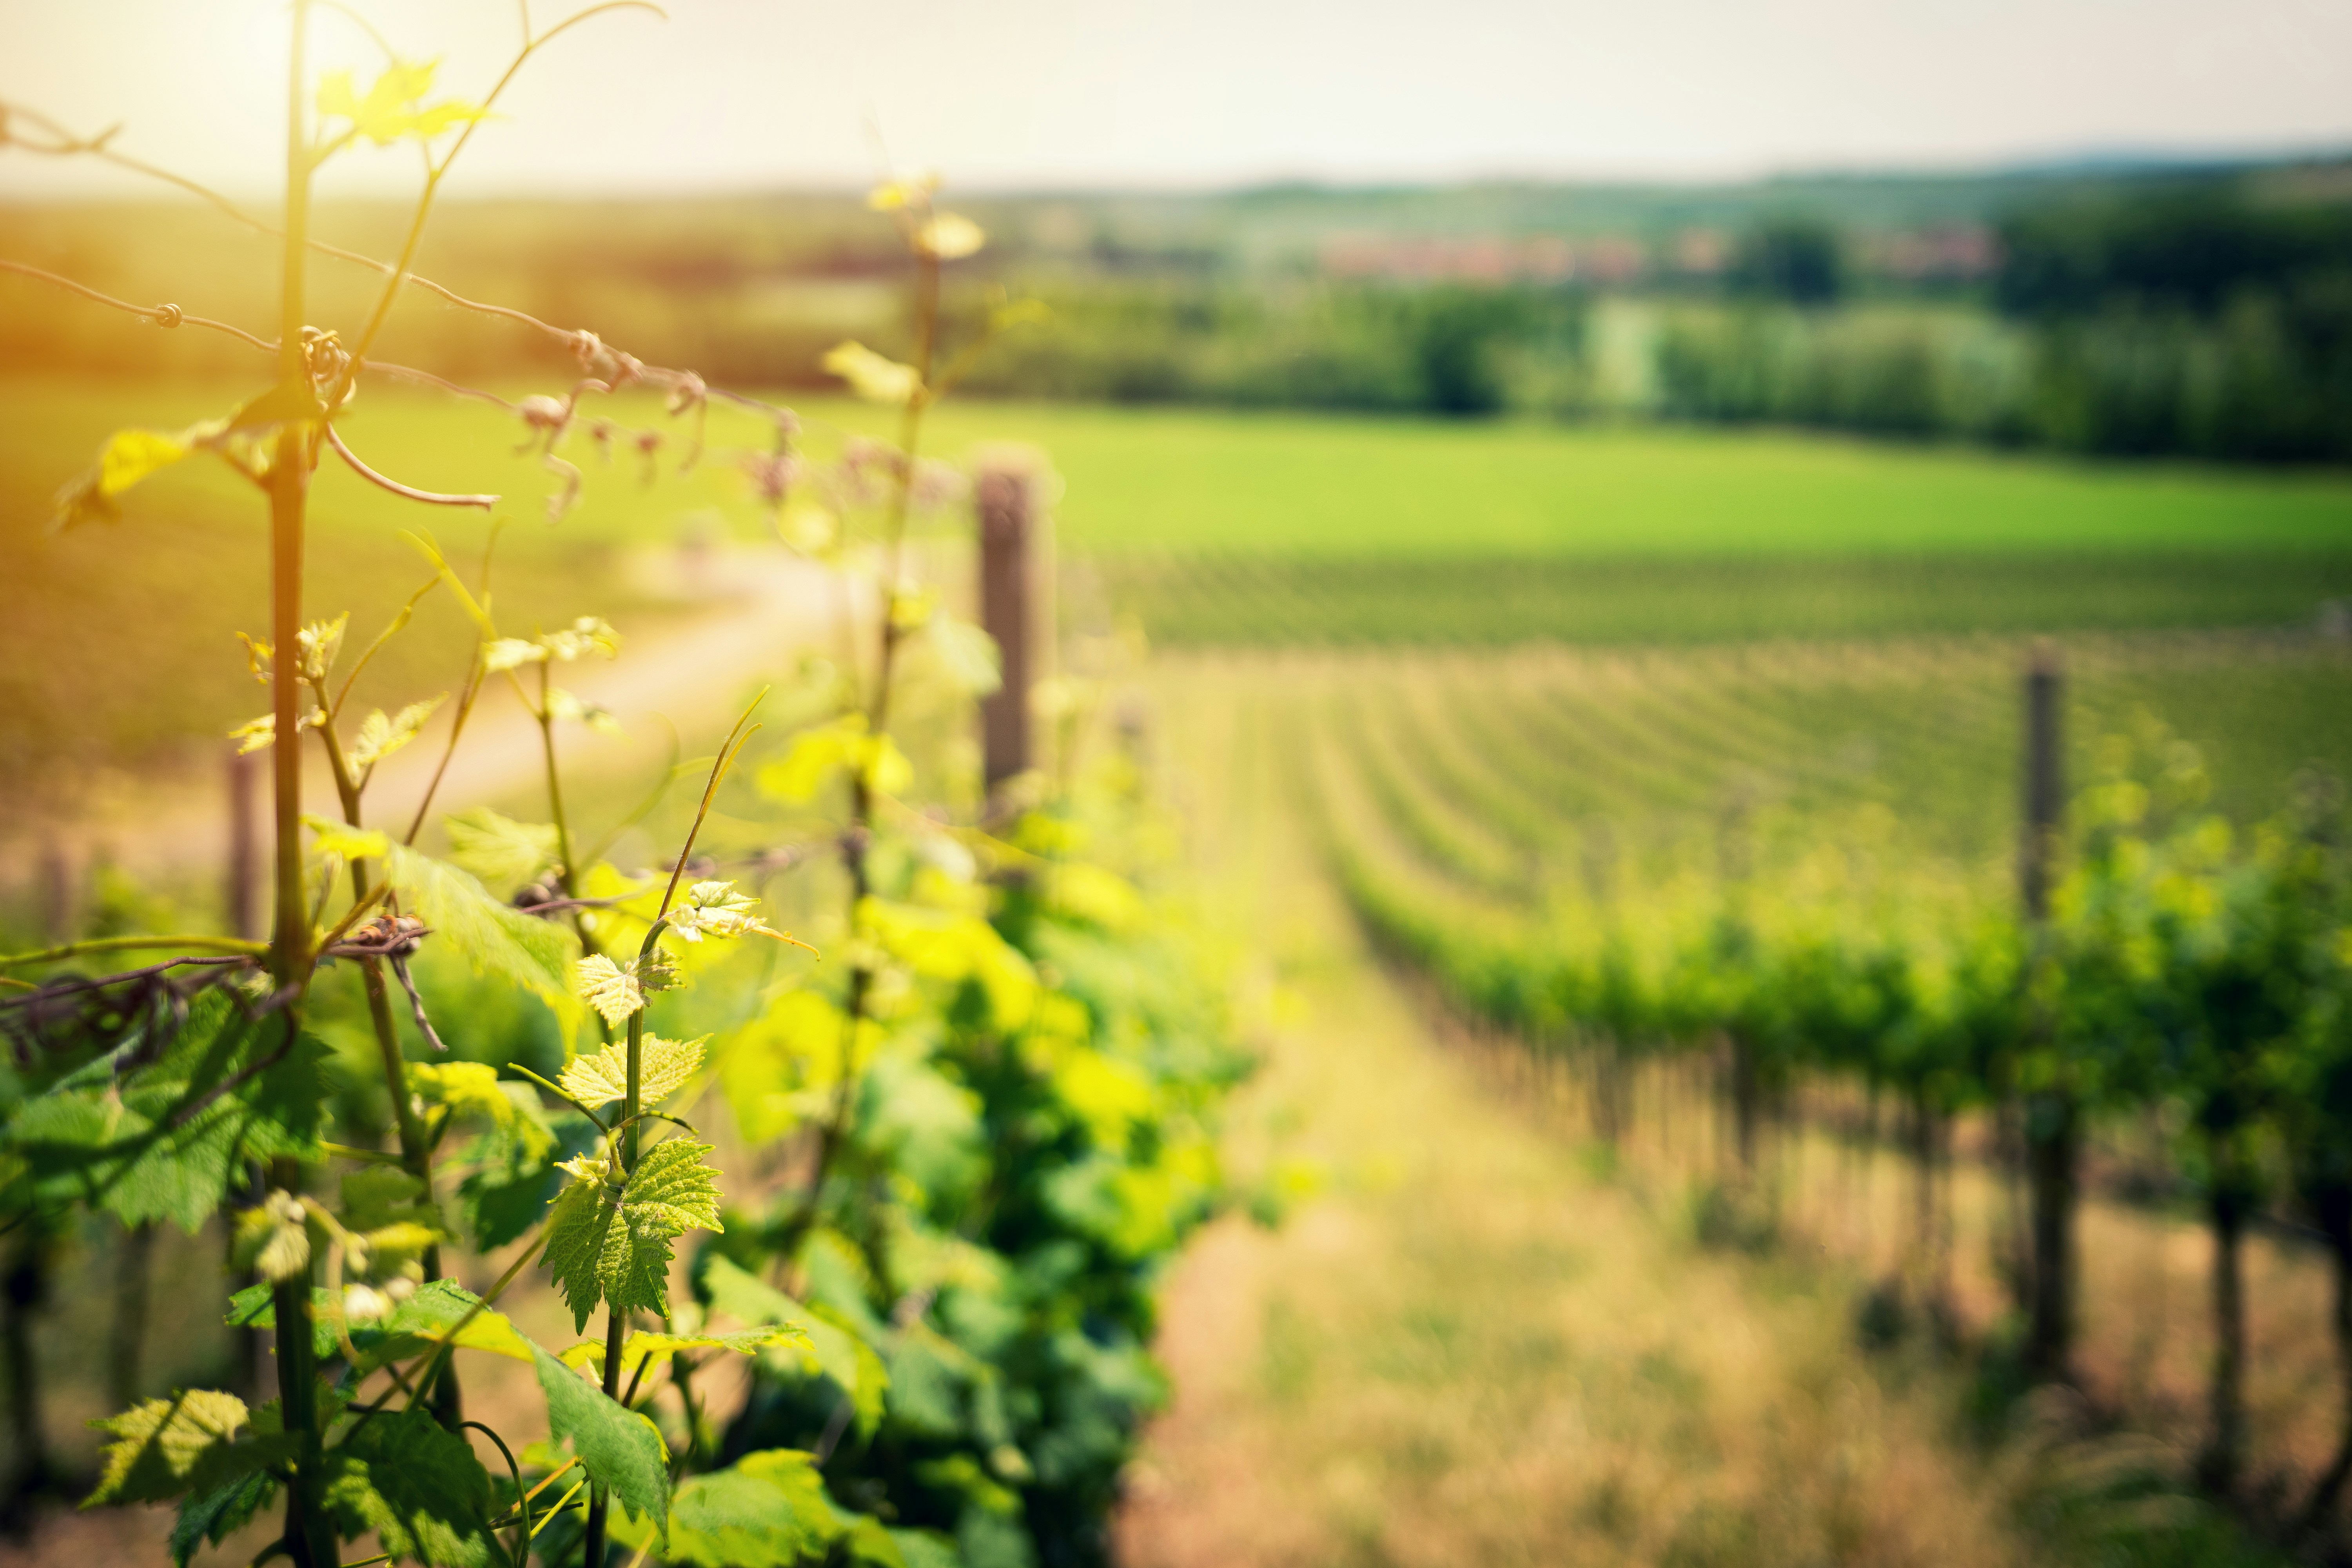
(1455,334)
(2192,251)
(1797,259)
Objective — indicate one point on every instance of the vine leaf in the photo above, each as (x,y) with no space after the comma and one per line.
(394,107)
(382,734)
(163,1447)
(611,988)
(841,746)
(419,1489)
(769,1509)
(210,1516)
(514,1176)
(601,1077)
(164,1141)
(502,852)
(474,1089)
(442,1312)
(498,939)
(610,1243)
(128,456)
(618,1447)
(833,1351)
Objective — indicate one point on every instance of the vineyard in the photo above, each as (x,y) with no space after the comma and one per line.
(602,967)
(1753,918)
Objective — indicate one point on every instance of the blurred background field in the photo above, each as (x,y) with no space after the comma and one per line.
(1202,528)
(1468,564)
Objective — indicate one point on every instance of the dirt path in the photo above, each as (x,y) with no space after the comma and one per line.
(1475,1347)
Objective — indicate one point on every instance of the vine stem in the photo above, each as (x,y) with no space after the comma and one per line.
(834,1132)
(616,1321)
(309,1538)
(415,1150)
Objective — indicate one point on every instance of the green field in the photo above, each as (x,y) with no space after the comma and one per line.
(1212,529)
(1348,489)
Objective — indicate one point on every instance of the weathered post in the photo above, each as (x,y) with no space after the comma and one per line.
(2046,801)
(2051,1117)
(1011,602)
(243,887)
(61,890)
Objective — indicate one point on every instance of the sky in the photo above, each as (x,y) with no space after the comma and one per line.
(751,94)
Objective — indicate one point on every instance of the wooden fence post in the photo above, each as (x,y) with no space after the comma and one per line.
(1011,609)
(2045,798)
(244,887)
(2051,1117)
(60,890)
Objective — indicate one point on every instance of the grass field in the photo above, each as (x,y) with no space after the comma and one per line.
(1351,488)
(1214,529)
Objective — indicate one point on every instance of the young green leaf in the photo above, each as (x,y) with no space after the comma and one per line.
(210,1515)
(330,837)
(833,1351)
(600,1077)
(128,456)
(511,653)
(612,1243)
(575,710)
(442,1312)
(611,988)
(716,908)
(588,634)
(394,107)
(380,736)
(843,746)
(273,1237)
(474,1089)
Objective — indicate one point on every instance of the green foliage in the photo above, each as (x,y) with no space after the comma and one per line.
(609,1241)
(502,853)
(495,938)
(1012,1123)
(418,1488)
(166,1447)
(616,1445)
(769,1509)
(164,1139)
(601,1077)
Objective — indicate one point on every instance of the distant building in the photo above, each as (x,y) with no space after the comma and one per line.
(1484,260)
(1951,253)
(1702,252)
